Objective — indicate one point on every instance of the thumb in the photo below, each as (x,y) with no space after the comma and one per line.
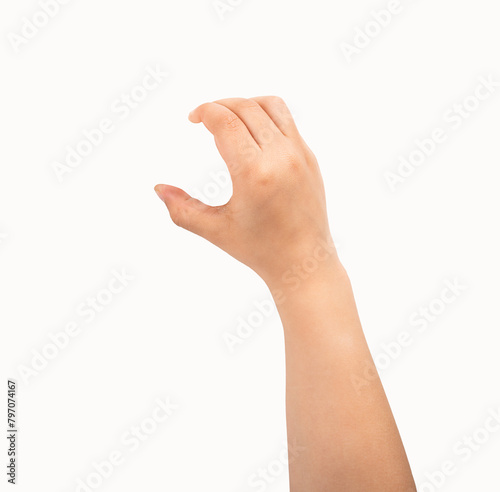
(189,213)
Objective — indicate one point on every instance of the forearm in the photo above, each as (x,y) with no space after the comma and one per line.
(348,437)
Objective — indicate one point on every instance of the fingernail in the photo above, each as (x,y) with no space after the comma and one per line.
(158,193)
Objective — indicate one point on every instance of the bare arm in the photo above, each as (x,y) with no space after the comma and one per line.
(276,223)
(346,431)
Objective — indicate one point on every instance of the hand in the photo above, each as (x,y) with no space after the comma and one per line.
(277,214)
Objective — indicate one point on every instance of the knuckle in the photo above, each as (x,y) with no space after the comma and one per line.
(264,178)
(178,217)
(291,159)
(231,122)
(294,166)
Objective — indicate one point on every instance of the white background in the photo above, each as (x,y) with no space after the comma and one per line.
(162,336)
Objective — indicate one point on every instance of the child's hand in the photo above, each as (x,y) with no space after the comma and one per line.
(276,223)
(277,214)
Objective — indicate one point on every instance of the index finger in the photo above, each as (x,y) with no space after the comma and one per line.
(232,138)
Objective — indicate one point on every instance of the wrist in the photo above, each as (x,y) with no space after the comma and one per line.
(316,267)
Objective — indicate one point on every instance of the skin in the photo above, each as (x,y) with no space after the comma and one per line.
(338,418)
